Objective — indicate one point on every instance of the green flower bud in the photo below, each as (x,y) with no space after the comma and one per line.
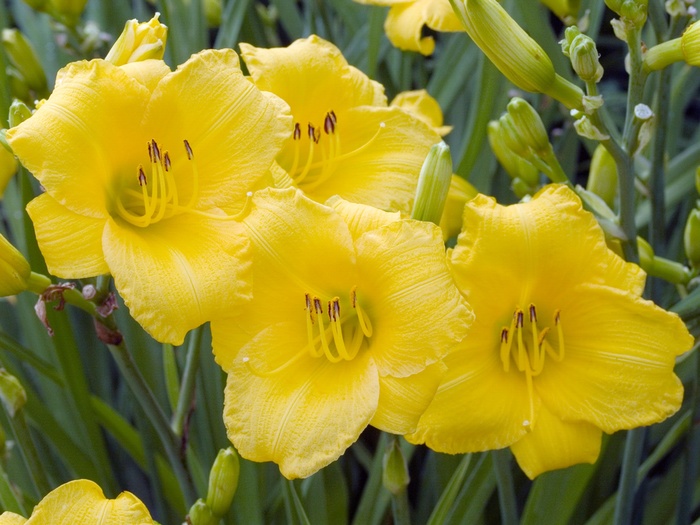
(584,59)
(395,476)
(12,393)
(632,11)
(24,59)
(691,238)
(212,11)
(528,125)
(514,165)
(433,184)
(19,112)
(223,481)
(570,33)
(201,514)
(513,51)
(66,11)
(670,271)
(602,176)
(14,269)
(139,41)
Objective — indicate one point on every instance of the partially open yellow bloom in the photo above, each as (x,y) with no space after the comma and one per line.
(139,41)
(8,168)
(353,309)
(14,269)
(405,23)
(345,141)
(421,105)
(143,177)
(82,502)
(563,347)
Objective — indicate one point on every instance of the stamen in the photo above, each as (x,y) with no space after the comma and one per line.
(142,177)
(560,336)
(166,161)
(334,309)
(297,131)
(329,124)
(188,149)
(506,344)
(156,151)
(322,329)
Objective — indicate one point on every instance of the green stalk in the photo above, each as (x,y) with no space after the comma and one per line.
(447,499)
(189,376)
(507,501)
(8,498)
(29,453)
(400,508)
(635,89)
(153,411)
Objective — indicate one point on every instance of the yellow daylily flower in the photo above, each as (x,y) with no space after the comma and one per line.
(459,193)
(406,19)
(82,502)
(421,105)
(345,140)
(563,347)
(353,309)
(143,175)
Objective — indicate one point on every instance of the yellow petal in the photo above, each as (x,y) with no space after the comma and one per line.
(361,218)
(457,196)
(556,245)
(71,243)
(383,150)
(312,76)
(617,372)
(178,273)
(303,417)
(403,400)
(421,105)
(82,502)
(478,406)
(235,131)
(75,143)
(10,518)
(147,72)
(418,312)
(404,24)
(555,444)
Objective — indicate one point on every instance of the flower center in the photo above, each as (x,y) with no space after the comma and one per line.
(323,152)
(157,196)
(334,334)
(527,346)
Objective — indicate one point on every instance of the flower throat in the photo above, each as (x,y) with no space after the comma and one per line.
(527,347)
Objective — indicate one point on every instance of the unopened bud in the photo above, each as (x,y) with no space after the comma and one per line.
(8,167)
(19,112)
(513,51)
(584,59)
(24,59)
(395,476)
(691,238)
(139,41)
(630,11)
(14,269)
(529,126)
(12,393)
(201,514)
(433,184)
(212,11)
(602,176)
(223,481)
(66,11)
(666,269)
(459,193)
(514,165)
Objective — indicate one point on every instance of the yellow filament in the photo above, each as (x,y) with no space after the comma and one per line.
(531,398)
(281,368)
(322,330)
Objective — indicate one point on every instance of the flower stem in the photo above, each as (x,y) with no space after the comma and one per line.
(506,492)
(29,453)
(692,451)
(153,411)
(400,509)
(187,387)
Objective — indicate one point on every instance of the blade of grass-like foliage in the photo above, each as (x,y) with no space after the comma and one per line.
(374,38)
(293,506)
(448,496)
(290,19)
(249,504)
(232,19)
(325,495)
(374,500)
(507,501)
(171,376)
(555,495)
(8,498)
(475,494)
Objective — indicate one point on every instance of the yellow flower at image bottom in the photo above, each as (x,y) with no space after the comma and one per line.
(82,502)
(563,347)
(143,174)
(352,311)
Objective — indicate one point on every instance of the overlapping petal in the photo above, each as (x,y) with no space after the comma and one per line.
(82,502)
(70,243)
(555,444)
(302,417)
(178,274)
